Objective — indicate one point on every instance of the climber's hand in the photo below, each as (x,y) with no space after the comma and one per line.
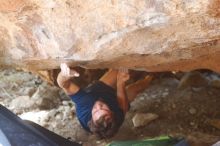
(65,75)
(123,75)
(67,72)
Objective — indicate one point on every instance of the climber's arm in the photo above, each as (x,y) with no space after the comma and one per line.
(64,79)
(122,77)
(122,97)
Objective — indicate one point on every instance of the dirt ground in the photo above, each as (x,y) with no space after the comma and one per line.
(186,105)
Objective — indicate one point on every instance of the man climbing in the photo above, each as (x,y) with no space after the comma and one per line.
(101,107)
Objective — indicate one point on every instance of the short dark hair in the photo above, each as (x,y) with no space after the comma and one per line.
(103,129)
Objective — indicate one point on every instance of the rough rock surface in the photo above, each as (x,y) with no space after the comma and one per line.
(151,35)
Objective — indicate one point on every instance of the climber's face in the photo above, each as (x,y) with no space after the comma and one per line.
(100,109)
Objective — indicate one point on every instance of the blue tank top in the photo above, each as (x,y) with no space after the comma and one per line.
(84,100)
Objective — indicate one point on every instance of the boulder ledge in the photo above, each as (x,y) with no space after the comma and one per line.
(151,35)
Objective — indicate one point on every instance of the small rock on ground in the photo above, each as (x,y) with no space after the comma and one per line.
(193,79)
(215,123)
(142,119)
(215,83)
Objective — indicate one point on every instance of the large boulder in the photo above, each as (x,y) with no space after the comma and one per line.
(152,35)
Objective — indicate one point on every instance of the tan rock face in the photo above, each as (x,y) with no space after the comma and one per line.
(151,35)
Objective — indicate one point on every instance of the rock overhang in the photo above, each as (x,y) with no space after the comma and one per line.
(141,35)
